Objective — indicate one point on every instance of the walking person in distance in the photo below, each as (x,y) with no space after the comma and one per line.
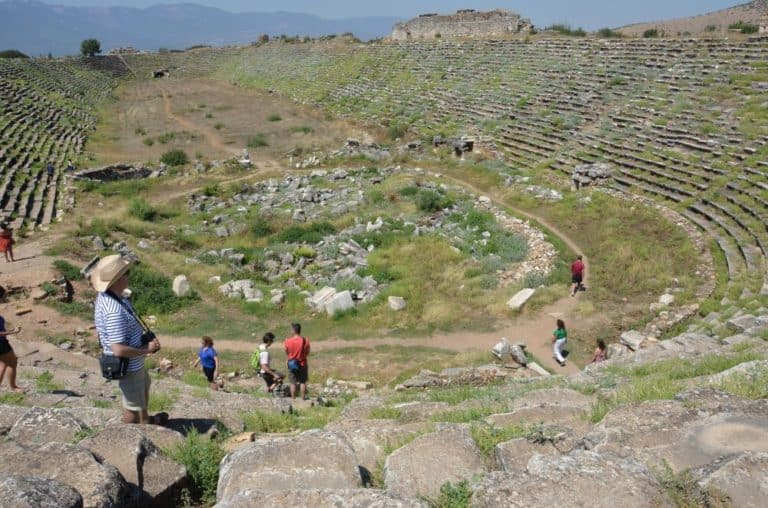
(559,338)
(208,358)
(297,349)
(577,275)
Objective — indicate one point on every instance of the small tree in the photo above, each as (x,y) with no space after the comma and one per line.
(12,53)
(90,47)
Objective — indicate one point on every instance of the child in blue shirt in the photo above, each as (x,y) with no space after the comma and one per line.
(208,358)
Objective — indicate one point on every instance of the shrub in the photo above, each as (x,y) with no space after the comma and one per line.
(142,210)
(431,201)
(304,129)
(258,140)
(175,157)
(148,141)
(67,269)
(305,252)
(166,137)
(12,53)
(201,456)
(152,293)
(651,33)
(710,28)
(261,227)
(567,30)
(607,33)
(744,28)
(218,126)
(311,233)
(274,118)
(453,495)
(396,131)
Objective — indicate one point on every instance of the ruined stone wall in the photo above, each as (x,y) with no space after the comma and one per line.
(467,23)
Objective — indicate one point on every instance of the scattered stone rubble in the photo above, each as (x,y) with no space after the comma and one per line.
(585,175)
(337,258)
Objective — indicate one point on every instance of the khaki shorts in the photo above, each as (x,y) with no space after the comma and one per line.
(135,388)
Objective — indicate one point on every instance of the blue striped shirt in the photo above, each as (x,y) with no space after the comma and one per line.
(116,325)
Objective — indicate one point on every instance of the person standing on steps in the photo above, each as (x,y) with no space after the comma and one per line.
(559,338)
(208,358)
(120,334)
(601,353)
(297,349)
(8,359)
(6,241)
(577,275)
(272,378)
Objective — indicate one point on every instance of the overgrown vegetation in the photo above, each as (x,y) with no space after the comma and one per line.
(201,456)
(564,29)
(176,157)
(684,490)
(152,292)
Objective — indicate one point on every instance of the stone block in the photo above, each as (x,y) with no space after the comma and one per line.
(340,302)
(520,298)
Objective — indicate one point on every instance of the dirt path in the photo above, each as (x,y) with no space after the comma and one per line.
(210,136)
(535,330)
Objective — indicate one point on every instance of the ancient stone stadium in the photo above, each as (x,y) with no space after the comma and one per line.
(417,204)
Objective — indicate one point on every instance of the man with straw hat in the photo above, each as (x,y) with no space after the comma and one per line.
(120,334)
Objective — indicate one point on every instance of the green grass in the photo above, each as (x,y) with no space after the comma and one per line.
(44,383)
(663,380)
(67,269)
(12,398)
(195,378)
(750,385)
(297,420)
(103,403)
(385,413)
(161,401)
(486,436)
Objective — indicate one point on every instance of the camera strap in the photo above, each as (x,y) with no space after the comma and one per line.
(128,307)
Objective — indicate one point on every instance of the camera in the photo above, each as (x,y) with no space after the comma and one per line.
(147,337)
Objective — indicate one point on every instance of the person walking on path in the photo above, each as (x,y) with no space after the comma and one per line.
(577,275)
(297,349)
(208,358)
(120,334)
(559,338)
(601,353)
(8,359)
(272,378)
(6,241)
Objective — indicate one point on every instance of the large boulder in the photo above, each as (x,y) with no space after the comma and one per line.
(33,492)
(316,459)
(139,459)
(9,415)
(422,466)
(348,498)
(633,339)
(340,302)
(743,478)
(100,485)
(181,286)
(581,478)
(693,431)
(44,425)
(370,438)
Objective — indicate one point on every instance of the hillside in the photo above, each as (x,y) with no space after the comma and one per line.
(753,13)
(401,201)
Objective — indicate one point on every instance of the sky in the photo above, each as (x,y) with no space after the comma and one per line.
(588,14)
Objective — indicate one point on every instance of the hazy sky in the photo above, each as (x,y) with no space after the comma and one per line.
(589,14)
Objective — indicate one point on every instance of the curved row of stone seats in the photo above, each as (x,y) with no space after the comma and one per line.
(46,114)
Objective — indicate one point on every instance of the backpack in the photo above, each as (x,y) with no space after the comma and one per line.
(256,360)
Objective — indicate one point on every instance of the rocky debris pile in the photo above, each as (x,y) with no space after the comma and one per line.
(333,262)
(585,175)
(474,376)
(120,171)
(544,193)
(352,148)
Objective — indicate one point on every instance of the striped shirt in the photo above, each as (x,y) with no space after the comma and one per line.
(116,325)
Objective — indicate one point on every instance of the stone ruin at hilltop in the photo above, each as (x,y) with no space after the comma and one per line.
(465,23)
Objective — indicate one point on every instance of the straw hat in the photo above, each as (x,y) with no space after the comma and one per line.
(108,271)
